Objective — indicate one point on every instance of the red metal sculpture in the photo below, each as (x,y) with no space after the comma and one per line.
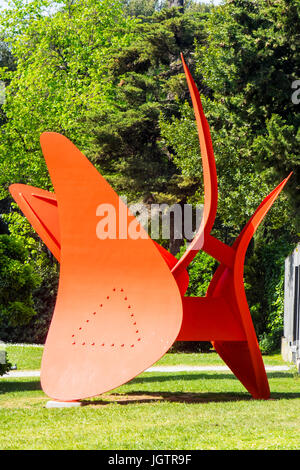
(121,303)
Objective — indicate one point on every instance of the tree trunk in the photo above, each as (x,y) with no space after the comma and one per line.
(176,3)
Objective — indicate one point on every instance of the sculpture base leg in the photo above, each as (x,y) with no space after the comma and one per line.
(63,404)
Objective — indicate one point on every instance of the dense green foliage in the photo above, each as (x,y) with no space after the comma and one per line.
(17,280)
(107,74)
(60,75)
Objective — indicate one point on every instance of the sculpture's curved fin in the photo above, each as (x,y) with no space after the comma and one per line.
(209,176)
(209,319)
(182,278)
(251,373)
(251,226)
(243,357)
(40,208)
(259,214)
(242,245)
(118,307)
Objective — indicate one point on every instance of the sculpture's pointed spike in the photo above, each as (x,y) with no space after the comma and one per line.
(244,358)
(209,175)
(207,154)
(262,209)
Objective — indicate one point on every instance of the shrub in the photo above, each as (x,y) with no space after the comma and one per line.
(17,281)
(5,366)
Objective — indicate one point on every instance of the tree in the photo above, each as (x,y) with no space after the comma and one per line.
(250,62)
(6,63)
(176,3)
(17,280)
(60,54)
(142,8)
(148,80)
(61,61)
(246,66)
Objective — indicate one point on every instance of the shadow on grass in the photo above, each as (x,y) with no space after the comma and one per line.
(281,375)
(284,395)
(15,386)
(169,376)
(137,397)
(199,376)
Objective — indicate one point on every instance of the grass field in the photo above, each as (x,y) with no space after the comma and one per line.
(28,357)
(188,410)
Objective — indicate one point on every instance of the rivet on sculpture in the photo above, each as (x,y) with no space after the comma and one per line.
(121,303)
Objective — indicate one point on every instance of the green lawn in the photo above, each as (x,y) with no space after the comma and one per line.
(190,410)
(25,357)
(29,358)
